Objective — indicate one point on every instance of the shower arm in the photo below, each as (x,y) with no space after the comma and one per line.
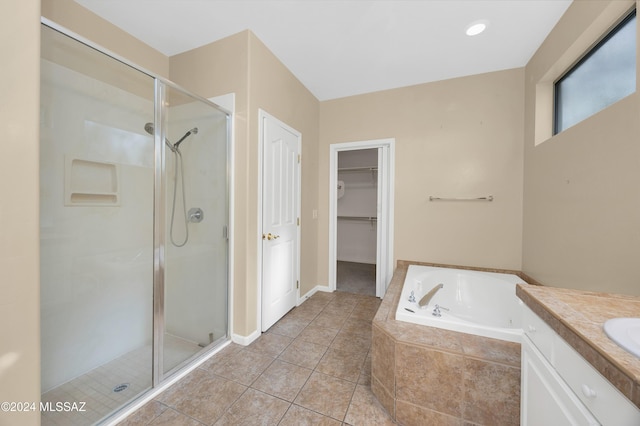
(149,128)
(186,135)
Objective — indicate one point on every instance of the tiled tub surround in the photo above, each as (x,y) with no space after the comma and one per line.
(425,375)
(578,317)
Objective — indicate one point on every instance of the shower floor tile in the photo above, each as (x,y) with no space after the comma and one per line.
(96,387)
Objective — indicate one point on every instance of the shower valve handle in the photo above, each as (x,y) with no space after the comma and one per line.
(270,236)
(195,215)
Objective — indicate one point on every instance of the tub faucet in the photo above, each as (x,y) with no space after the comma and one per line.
(427,297)
(436,311)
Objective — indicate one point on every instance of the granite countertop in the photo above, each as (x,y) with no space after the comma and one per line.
(578,317)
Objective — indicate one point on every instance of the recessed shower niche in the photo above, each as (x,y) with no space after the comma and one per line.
(90,183)
(131,291)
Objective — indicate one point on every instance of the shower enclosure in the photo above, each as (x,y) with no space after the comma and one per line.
(133,218)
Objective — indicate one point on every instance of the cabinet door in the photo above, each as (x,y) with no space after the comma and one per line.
(546,399)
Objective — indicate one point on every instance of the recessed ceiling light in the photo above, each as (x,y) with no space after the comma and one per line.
(477,27)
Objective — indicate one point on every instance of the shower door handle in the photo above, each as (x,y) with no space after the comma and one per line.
(270,236)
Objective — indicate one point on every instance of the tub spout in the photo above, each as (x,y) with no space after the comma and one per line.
(427,297)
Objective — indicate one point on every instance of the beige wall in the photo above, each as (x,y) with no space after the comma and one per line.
(454,138)
(581,187)
(87,24)
(19,227)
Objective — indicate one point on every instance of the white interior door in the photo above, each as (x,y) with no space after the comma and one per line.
(280,219)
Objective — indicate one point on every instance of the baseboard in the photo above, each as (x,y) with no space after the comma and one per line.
(245,340)
(313,291)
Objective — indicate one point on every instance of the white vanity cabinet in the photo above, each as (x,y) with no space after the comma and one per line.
(545,397)
(559,387)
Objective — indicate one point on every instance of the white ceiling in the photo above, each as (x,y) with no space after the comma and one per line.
(339,48)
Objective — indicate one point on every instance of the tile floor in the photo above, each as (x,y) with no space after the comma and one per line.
(313,367)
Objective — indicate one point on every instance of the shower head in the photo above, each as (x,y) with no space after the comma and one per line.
(193,131)
(149,128)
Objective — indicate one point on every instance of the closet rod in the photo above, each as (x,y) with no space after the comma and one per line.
(358,169)
(365,218)
(489,198)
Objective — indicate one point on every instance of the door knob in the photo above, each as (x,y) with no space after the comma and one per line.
(270,236)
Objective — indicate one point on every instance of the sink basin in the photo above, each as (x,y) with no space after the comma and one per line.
(625,332)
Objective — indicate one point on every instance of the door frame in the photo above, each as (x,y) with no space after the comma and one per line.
(386,184)
(228,102)
(262,115)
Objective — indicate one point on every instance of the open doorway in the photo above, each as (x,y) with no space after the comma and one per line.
(357,217)
(361,216)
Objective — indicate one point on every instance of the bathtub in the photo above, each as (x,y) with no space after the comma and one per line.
(474,302)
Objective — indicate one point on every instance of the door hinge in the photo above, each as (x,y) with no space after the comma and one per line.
(299,158)
(298,221)
(297,284)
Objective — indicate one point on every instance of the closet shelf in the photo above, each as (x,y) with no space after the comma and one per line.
(360,185)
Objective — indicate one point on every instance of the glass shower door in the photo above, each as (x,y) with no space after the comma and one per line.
(195,232)
(96,230)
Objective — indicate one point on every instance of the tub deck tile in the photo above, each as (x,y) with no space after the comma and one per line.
(430,379)
(382,359)
(383,396)
(413,415)
(492,393)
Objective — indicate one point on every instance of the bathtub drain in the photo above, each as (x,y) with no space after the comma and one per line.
(121,387)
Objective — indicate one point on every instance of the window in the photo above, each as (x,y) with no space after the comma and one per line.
(606,74)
